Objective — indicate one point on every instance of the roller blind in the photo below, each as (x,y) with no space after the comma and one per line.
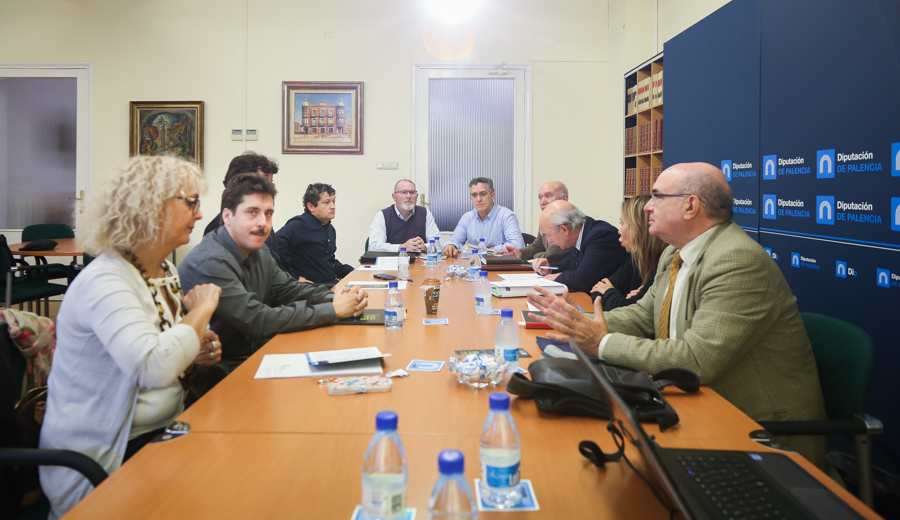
(471,133)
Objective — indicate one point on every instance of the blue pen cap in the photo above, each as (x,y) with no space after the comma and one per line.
(392,285)
(451,461)
(482,273)
(499,401)
(387,420)
(506,313)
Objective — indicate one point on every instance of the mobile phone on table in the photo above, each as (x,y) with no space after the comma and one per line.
(385,276)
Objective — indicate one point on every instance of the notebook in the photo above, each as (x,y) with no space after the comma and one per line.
(721,484)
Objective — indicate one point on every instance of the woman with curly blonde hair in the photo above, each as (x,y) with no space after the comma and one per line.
(631,281)
(125,331)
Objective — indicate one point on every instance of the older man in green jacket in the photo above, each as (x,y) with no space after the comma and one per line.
(719,307)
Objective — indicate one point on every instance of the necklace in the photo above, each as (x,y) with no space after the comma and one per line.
(164,324)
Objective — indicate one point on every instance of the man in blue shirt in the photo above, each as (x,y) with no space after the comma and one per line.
(307,242)
(495,224)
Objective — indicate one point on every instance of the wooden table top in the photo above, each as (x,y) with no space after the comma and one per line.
(283,448)
(64,247)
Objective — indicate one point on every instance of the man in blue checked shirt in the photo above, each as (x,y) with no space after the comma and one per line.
(495,224)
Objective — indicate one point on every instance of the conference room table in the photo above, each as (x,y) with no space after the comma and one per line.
(284,448)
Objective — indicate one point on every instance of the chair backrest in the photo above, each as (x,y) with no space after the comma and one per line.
(844,356)
(6,260)
(528,239)
(367,246)
(45,231)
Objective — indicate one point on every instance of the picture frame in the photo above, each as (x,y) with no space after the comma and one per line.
(336,128)
(167,128)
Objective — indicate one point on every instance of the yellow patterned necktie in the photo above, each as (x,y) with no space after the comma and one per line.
(662,328)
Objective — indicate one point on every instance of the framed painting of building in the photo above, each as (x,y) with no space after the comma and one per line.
(167,128)
(322,117)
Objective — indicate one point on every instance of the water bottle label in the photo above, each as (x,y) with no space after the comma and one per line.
(383,503)
(510,354)
(432,257)
(390,316)
(473,271)
(479,301)
(501,477)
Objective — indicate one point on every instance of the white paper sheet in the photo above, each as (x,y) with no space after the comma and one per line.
(275,366)
(520,276)
(387,263)
(377,284)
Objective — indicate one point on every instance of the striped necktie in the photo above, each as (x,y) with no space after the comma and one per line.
(662,328)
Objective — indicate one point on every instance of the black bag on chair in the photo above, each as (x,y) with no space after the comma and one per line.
(565,386)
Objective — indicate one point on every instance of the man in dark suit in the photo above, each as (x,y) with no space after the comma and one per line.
(596,252)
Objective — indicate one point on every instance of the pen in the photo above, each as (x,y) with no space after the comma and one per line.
(579,308)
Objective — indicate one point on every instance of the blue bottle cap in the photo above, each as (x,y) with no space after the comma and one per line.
(392,285)
(402,249)
(433,239)
(482,273)
(387,420)
(506,313)
(451,461)
(481,240)
(499,401)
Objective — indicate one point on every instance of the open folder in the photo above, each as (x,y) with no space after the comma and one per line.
(360,361)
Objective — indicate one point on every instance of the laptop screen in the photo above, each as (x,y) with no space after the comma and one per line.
(631,430)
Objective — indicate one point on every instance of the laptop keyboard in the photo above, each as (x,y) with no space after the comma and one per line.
(733,486)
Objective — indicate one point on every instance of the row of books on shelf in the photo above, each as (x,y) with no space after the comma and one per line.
(644,138)
(633,175)
(648,92)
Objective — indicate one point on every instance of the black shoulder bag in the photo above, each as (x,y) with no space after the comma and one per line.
(565,386)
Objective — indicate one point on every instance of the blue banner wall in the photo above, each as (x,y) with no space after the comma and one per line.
(823,80)
(712,111)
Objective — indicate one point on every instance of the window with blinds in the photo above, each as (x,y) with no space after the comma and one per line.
(471,133)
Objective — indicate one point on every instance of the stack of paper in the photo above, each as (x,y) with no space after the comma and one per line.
(517,288)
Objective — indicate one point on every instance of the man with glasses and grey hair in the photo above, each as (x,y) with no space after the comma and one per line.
(541,248)
(402,224)
(596,251)
(719,306)
(494,223)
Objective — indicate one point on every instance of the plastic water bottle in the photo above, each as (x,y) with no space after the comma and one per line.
(384,471)
(452,497)
(501,454)
(482,249)
(474,263)
(439,246)
(483,298)
(506,340)
(432,256)
(403,264)
(394,314)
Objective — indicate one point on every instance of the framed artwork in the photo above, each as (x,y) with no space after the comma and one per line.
(322,117)
(167,128)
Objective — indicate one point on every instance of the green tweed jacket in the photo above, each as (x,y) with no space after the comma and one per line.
(738,328)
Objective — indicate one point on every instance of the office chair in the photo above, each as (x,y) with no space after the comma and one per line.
(21,282)
(13,456)
(50,231)
(528,239)
(844,357)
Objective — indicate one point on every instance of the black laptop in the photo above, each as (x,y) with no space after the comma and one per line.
(719,484)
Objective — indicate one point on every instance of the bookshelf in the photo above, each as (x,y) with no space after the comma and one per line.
(643,126)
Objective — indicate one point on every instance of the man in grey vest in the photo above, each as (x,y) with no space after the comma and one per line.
(402,224)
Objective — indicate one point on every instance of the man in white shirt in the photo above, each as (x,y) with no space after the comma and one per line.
(719,306)
(403,224)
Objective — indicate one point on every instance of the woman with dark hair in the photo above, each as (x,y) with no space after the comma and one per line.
(631,281)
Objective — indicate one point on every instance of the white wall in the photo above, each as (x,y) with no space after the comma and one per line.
(170,50)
